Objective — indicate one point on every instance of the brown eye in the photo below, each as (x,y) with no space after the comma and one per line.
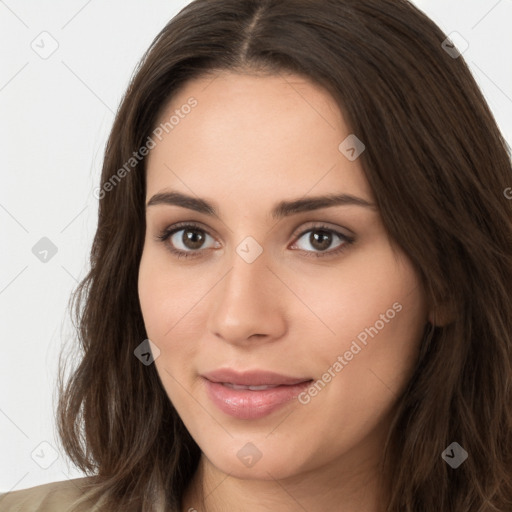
(320,239)
(186,240)
(192,238)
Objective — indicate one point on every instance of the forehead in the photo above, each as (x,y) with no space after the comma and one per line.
(252,137)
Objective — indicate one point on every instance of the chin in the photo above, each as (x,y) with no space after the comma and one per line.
(256,461)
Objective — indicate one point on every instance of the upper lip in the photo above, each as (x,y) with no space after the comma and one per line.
(252,378)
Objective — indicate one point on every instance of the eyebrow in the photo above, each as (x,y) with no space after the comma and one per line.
(280,210)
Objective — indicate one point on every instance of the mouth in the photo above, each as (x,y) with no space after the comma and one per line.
(251,395)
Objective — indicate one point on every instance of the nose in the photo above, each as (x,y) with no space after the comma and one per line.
(248,303)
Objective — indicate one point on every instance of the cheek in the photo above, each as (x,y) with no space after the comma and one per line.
(170,301)
(377,312)
(371,295)
(166,294)
(358,392)
(150,294)
(386,339)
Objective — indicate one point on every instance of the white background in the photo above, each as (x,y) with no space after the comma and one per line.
(56,114)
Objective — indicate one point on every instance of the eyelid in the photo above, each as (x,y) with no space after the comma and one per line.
(308,226)
(170,230)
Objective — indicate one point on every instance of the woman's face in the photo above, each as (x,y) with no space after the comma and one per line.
(276,281)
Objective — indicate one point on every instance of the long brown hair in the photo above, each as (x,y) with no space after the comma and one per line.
(438,167)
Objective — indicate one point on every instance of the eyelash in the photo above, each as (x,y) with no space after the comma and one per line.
(168,232)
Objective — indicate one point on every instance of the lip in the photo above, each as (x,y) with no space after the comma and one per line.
(248,404)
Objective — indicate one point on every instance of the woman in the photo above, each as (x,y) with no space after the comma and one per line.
(299,296)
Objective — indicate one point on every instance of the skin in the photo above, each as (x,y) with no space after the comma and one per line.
(251,142)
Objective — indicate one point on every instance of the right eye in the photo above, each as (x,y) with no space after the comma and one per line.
(184,240)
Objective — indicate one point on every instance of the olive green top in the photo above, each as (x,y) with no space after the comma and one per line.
(52,497)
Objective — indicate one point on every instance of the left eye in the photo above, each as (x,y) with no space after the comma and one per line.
(321,239)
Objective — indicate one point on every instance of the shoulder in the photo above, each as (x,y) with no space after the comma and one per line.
(51,497)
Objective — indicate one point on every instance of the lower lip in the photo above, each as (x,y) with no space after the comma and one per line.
(248,405)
